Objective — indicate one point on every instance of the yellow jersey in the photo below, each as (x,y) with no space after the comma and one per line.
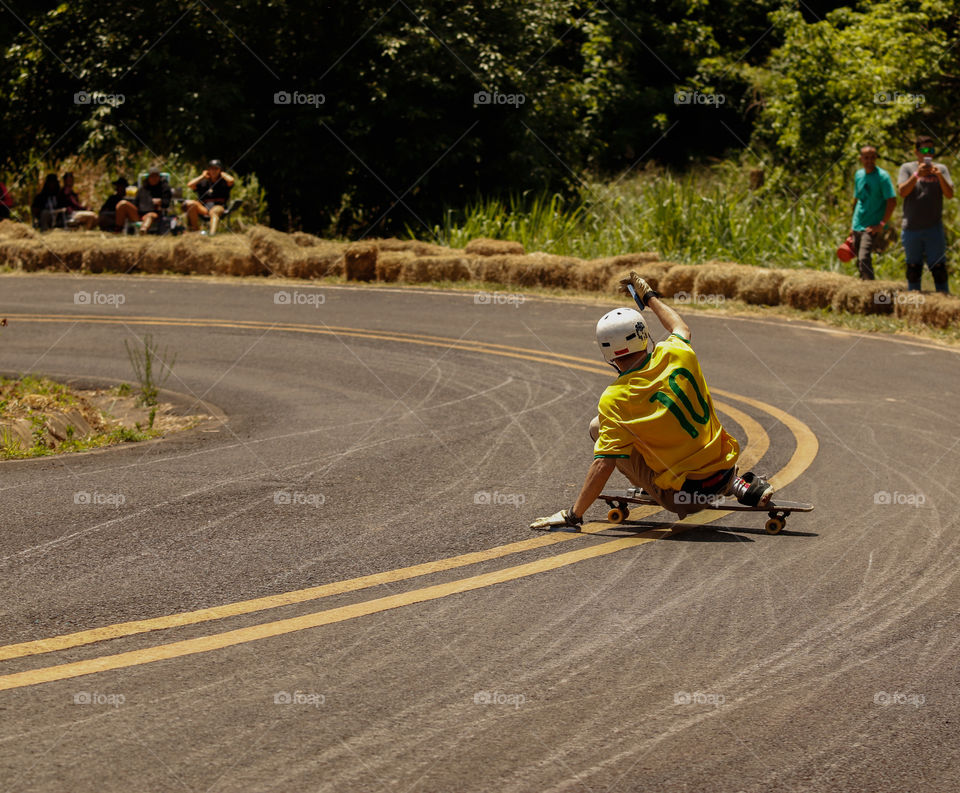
(663,409)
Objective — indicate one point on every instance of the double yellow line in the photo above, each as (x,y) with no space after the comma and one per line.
(758,443)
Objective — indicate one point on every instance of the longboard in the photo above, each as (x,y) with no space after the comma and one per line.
(777,510)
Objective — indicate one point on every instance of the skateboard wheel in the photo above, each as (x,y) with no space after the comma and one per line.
(616,515)
(774,525)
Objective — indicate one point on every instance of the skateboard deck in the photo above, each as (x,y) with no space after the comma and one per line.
(777,510)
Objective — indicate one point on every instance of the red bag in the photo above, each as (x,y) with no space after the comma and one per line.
(845,252)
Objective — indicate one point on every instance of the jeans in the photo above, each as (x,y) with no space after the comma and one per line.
(931,244)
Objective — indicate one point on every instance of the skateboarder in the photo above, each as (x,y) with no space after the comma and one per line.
(656,421)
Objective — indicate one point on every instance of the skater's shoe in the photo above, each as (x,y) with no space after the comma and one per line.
(752,490)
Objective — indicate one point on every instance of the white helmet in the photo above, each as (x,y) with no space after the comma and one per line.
(621,332)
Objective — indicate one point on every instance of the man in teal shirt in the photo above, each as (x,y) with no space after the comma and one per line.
(873,204)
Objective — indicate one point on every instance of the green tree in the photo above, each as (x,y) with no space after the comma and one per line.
(879,74)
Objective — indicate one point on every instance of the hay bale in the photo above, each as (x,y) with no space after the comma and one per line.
(761,286)
(416,247)
(22,253)
(11,229)
(534,269)
(360,261)
(652,272)
(64,250)
(632,261)
(105,257)
(390,264)
(484,246)
(810,289)
(303,240)
(420,269)
(720,278)
(679,278)
(866,297)
(931,309)
(324,260)
(269,248)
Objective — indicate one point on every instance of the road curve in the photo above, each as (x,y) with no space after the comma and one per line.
(335,588)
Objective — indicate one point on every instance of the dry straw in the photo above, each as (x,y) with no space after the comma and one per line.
(263,251)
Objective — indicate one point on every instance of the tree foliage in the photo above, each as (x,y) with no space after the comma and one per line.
(399,133)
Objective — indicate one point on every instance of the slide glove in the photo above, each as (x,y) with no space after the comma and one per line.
(564,517)
(643,289)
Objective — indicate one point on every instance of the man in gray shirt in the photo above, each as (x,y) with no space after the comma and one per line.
(924,184)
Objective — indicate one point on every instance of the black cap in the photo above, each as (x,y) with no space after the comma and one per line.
(215,164)
(121,181)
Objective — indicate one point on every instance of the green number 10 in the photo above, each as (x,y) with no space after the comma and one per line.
(674,408)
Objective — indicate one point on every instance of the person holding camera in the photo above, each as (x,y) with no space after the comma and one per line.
(924,184)
(873,203)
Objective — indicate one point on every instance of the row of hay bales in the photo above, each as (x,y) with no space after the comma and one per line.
(264,251)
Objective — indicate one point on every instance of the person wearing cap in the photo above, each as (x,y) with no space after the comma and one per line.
(117,210)
(213,191)
(924,184)
(153,199)
(873,203)
(656,422)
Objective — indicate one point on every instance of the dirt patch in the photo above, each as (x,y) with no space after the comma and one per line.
(39,416)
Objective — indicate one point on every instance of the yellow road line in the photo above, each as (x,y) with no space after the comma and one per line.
(279,627)
(453,344)
(803,455)
(757,442)
(290,326)
(807,443)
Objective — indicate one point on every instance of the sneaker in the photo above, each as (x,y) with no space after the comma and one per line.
(752,490)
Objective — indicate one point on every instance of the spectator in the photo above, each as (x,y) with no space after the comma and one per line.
(44,206)
(213,191)
(923,185)
(70,201)
(873,204)
(117,210)
(6,202)
(153,198)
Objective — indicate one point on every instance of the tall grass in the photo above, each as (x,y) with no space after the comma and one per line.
(703,215)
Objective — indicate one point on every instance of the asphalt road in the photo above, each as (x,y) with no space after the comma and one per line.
(335,588)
